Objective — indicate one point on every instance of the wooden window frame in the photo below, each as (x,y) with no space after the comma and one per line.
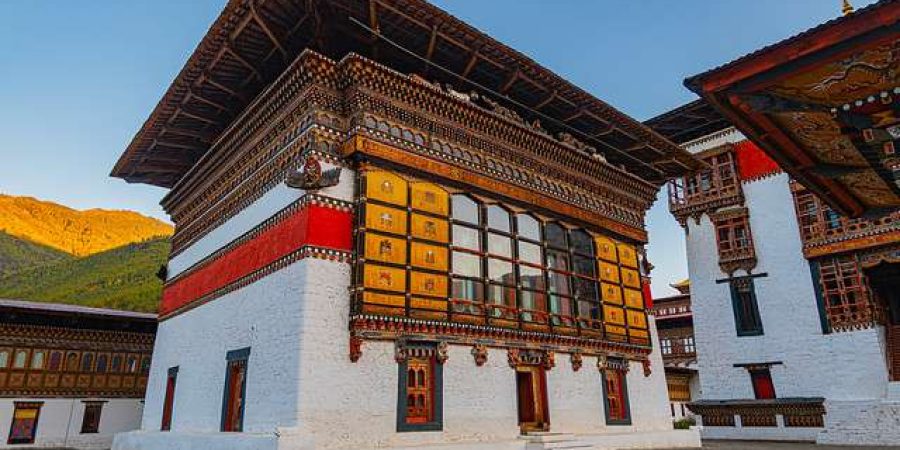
(93,426)
(436,394)
(732,247)
(24,405)
(737,306)
(622,378)
(234,359)
(168,411)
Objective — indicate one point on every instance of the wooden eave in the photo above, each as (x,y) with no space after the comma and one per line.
(252,42)
(725,88)
(688,122)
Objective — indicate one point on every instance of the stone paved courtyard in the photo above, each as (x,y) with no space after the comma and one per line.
(754,445)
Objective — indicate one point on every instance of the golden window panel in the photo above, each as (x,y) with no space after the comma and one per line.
(428,284)
(630,278)
(384,299)
(606,248)
(383,218)
(429,256)
(614,314)
(428,303)
(383,310)
(385,249)
(634,298)
(614,330)
(611,293)
(627,255)
(430,198)
(386,187)
(641,334)
(637,319)
(430,228)
(384,278)
(609,272)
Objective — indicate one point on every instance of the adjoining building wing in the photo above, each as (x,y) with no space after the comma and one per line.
(824,104)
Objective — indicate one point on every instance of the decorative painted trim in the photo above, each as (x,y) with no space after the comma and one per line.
(392,328)
(280,216)
(305,228)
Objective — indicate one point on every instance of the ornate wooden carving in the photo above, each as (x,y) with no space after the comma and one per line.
(480,353)
(356,344)
(576,360)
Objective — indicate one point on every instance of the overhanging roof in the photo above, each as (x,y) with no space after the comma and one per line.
(252,41)
(688,122)
(823,105)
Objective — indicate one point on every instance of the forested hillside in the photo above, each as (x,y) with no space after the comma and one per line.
(18,254)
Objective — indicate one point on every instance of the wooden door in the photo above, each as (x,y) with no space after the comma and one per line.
(531,389)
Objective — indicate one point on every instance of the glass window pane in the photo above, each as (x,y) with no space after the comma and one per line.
(559,284)
(588,310)
(556,235)
(585,289)
(561,305)
(582,242)
(466,264)
(21,359)
(4,358)
(37,360)
(528,227)
(498,218)
(467,290)
(465,237)
(533,301)
(531,278)
(585,266)
(530,253)
(465,209)
(499,245)
(504,296)
(501,271)
(558,260)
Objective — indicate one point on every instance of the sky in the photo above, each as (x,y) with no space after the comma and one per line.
(78,78)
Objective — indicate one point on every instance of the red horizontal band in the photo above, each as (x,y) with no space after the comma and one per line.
(312,225)
(753,163)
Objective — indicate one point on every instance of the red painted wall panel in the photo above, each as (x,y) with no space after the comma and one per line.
(314,225)
(752,162)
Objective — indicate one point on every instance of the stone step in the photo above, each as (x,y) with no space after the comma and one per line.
(553,441)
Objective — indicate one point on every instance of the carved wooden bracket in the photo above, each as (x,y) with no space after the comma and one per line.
(355,348)
(577,361)
(480,353)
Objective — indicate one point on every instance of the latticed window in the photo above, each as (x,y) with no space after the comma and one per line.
(419,403)
(846,297)
(733,237)
(615,391)
(717,181)
(666,346)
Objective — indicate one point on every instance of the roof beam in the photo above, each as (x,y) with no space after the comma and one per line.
(262,24)
(243,61)
(470,65)
(509,81)
(204,137)
(195,115)
(202,99)
(545,101)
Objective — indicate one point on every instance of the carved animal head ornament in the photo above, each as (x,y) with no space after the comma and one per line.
(310,177)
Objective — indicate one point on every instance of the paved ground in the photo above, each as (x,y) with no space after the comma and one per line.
(752,445)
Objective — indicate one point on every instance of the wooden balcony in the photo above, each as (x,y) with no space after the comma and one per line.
(707,190)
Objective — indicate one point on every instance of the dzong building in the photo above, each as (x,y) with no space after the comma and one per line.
(392,230)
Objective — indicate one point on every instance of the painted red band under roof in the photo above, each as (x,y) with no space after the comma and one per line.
(313,225)
(753,163)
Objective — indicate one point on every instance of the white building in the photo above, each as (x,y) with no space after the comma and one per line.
(70,376)
(439,272)
(787,349)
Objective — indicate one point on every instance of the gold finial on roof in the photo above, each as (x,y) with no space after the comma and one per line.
(847,8)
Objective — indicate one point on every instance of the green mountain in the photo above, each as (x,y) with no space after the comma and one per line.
(121,278)
(18,254)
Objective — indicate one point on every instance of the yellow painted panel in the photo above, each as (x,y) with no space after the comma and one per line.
(631,278)
(609,272)
(386,187)
(637,319)
(615,329)
(639,333)
(385,249)
(428,256)
(385,278)
(430,228)
(611,293)
(627,255)
(428,303)
(384,299)
(428,284)
(382,218)
(383,310)
(430,198)
(23,413)
(606,248)
(634,298)
(614,314)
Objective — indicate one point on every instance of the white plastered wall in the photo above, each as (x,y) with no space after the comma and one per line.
(838,366)
(60,420)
